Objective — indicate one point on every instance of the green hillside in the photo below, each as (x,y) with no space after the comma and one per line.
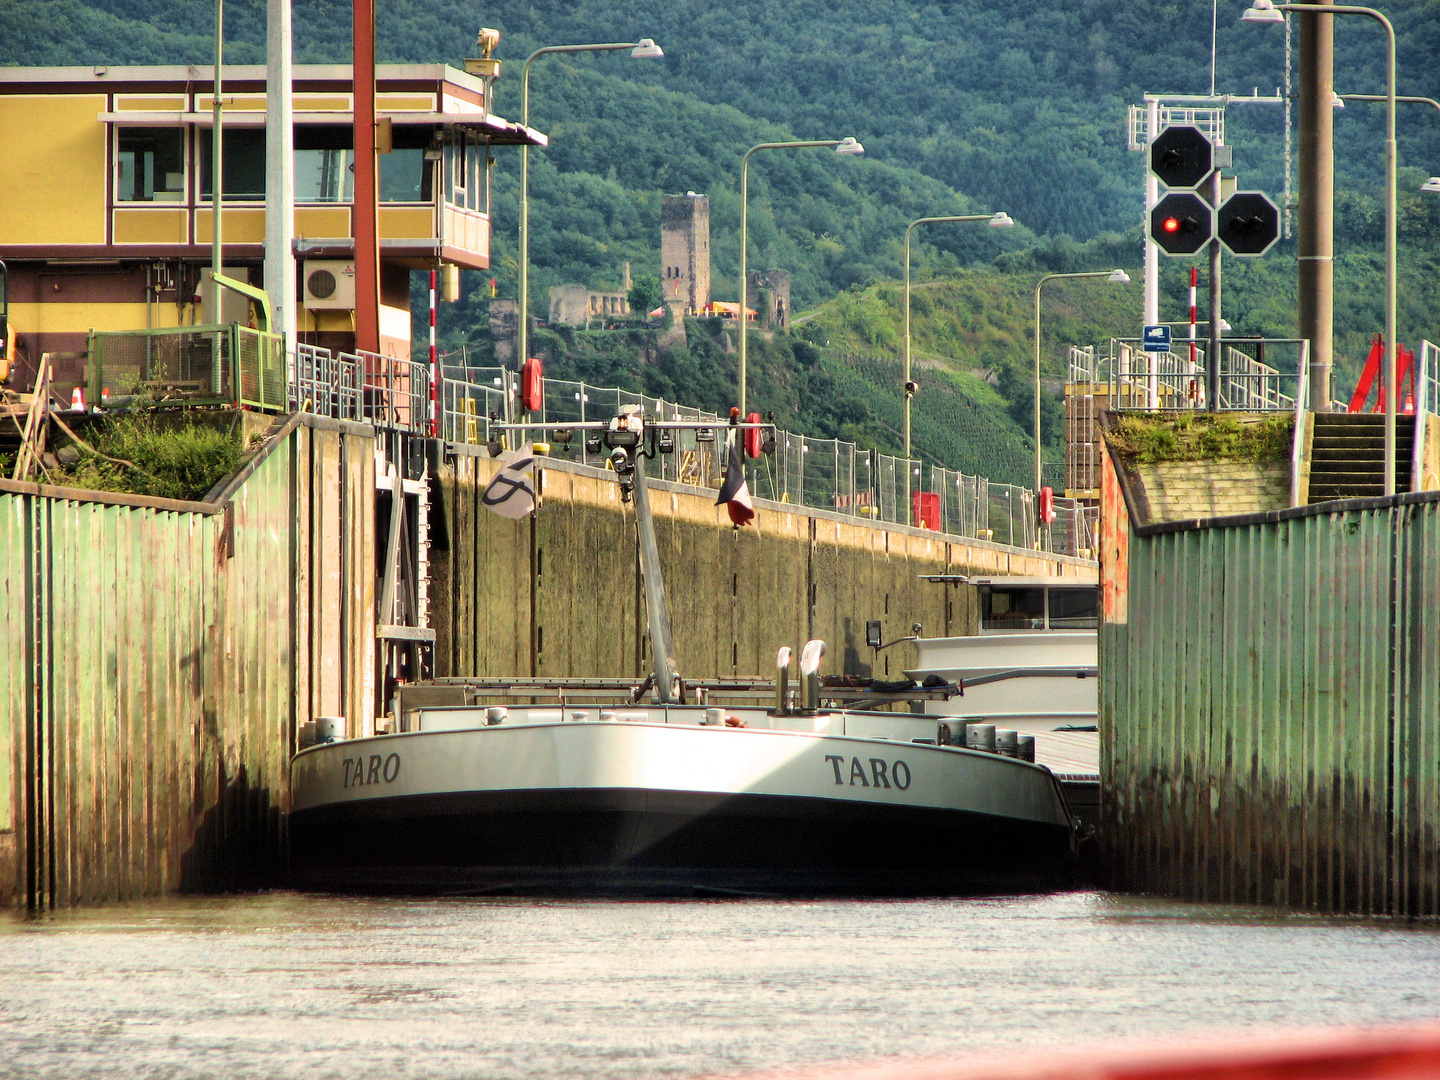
(963,106)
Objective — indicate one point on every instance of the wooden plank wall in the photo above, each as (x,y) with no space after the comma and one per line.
(1269,711)
(159,660)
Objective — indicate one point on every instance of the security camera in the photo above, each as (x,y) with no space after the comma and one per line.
(620,458)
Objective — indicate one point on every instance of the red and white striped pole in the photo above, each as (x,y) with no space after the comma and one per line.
(434,367)
(1194,281)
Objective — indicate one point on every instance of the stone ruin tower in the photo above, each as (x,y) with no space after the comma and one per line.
(685,252)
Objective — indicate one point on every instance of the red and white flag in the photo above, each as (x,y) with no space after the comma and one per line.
(734,492)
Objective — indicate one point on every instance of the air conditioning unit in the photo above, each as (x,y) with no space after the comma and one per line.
(329,284)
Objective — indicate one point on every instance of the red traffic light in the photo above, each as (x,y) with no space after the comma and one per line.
(1181,223)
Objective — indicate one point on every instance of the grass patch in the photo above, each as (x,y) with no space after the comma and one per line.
(151,458)
(1145,438)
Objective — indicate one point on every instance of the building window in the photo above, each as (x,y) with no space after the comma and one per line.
(323,157)
(244,163)
(404,172)
(466,174)
(150,165)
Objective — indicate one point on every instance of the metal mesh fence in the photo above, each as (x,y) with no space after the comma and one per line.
(145,367)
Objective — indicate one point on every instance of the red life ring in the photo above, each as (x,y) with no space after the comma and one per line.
(532,386)
(753,436)
(1047,505)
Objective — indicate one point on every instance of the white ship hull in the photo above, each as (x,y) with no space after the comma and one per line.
(628,806)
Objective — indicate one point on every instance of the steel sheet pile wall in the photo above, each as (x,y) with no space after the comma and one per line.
(1269,709)
(149,689)
(565,588)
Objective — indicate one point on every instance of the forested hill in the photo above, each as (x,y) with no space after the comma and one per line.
(1017,105)
(963,106)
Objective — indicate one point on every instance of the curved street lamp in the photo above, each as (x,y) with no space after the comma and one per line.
(1267,11)
(644,49)
(1119,277)
(998,220)
(847,145)
(1433,184)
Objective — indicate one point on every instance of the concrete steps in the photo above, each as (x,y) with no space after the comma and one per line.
(1347,455)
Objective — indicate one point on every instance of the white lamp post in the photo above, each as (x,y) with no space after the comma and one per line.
(847,145)
(1119,277)
(644,49)
(997,220)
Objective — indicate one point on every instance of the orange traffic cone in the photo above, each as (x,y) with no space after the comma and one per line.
(77,400)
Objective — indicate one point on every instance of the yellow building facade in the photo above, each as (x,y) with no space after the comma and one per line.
(106,219)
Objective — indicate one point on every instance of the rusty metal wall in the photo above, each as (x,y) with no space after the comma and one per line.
(158,660)
(1269,710)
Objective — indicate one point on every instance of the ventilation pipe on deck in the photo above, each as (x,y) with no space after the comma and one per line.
(782,680)
(810,657)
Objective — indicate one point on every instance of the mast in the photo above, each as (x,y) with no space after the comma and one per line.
(657,609)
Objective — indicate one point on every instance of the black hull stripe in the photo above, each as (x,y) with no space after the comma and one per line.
(626,841)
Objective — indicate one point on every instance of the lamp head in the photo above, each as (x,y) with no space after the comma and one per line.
(1263,11)
(1001,220)
(1336,101)
(647,50)
(849,145)
(1433,184)
(1119,277)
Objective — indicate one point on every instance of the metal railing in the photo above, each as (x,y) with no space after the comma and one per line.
(190,365)
(195,364)
(1427,388)
(363,386)
(1128,378)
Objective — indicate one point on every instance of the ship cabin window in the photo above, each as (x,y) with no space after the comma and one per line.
(1074,609)
(1012,609)
(150,164)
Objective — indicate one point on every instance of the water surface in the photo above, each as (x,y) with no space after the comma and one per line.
(293,985)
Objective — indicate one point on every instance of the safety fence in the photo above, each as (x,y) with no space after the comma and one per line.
(826,474)
(196,365)
(1121,376)
(1129,378)
(191,365)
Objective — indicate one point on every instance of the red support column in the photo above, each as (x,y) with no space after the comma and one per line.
(367,194)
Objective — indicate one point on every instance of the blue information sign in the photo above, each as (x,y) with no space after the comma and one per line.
(1156,338)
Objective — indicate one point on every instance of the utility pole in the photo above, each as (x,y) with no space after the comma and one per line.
(1315,220)
(1212,351)
(280,173)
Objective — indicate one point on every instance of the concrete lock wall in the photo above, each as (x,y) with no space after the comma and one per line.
(560,595)
(1269,711)
(158,660)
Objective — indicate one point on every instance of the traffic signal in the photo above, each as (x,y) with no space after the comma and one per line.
(1181,223)
(1248,223)
(1181,157)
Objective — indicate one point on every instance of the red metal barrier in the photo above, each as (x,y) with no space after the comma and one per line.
(927,509)
(1395,1053)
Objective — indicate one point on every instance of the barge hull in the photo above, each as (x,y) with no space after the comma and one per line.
(625,841)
